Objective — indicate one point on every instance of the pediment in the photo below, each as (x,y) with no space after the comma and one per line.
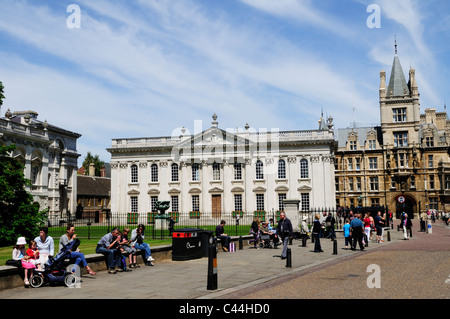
(216,190)
(304,188)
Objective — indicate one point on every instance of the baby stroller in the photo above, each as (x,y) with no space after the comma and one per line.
(54,269)
(266,241)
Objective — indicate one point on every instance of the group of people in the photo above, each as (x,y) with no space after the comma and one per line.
(279,234)
(359,229)
(435,215)
(116,245)
(41,248)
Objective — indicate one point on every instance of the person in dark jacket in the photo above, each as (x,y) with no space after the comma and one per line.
(224,238)
(406,224)
(317,228)
(284,230)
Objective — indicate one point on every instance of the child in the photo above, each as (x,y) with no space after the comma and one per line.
(346,230)
(33,254)
(19,253)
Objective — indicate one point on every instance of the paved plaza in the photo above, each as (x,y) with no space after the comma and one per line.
(417,268)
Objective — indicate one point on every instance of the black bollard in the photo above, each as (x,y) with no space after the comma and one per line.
(288,258)
(389,235)
(212,268)
(335,247)
(410,232)
(304,241)
(241,245)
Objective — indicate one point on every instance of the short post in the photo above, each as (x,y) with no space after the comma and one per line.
(389,235)
(241,244)
(410,231)
(212,268)
(335,247)
(304,240)
(288,258)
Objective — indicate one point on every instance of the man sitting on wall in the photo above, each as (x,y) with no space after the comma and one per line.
(224,238)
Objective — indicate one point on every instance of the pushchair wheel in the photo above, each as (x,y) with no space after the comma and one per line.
(36,281)
(71,280)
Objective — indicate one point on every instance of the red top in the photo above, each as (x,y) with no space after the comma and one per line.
(366,222)
(30,252)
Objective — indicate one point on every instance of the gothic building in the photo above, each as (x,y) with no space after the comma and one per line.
(404,162)
(49,155)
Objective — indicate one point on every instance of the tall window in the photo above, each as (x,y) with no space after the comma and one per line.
(305,201)
(304,173)
(134,204)
(358,184)
(238,202)
(195,172)
(195,203)
(374,183)
(259,170)
(358,163)
(154,173)
(372,144)
(399,115)
(429,141)
(216,172)
(134,173)
(431,186)
(153,200)
(259,201)
(281,198)
(237,171)
(350,164)
(174,170)
(401,160)
(350,184)
(373,164)
(400,139)
(447,181)
(352,145)
(430,161)
(281,169)
(174,202)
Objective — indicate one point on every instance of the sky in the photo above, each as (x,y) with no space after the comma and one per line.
(146,68)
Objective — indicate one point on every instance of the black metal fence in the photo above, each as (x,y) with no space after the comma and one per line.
(157,226)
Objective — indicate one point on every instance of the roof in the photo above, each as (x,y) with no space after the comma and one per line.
(397,83)
(93,186)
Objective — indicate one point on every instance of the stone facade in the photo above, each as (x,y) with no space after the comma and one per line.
(404,163)
(49,155)
(217,172)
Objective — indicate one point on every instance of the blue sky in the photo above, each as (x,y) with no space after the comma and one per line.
(147,68)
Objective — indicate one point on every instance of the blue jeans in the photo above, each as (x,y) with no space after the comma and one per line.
(145,247)
(112,256)
(79,258)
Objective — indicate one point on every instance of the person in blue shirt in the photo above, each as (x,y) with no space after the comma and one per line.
(356,228)
(346,230)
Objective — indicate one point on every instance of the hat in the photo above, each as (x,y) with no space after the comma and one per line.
(21,241)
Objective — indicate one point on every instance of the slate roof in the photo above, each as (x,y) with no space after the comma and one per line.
(93,186)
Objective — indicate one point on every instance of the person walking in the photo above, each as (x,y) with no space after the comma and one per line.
(406,224)
(285,231)
(356,226)
(317,228)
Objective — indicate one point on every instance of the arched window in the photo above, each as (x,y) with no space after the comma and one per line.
(134,173)
(154,173)
(281,169)
(259,170)
(174,172)
(304,169)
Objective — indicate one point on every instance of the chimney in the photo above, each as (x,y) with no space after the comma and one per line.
(91,169)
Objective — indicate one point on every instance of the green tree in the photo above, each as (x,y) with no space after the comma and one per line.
(19,216)
(98,164)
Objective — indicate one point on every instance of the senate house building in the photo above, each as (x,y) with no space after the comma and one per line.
(218,172)
(404,163)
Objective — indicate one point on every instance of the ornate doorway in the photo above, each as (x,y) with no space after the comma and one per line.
(407,204)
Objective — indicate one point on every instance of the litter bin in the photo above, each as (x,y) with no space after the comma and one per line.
(186,244)
(207,239)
